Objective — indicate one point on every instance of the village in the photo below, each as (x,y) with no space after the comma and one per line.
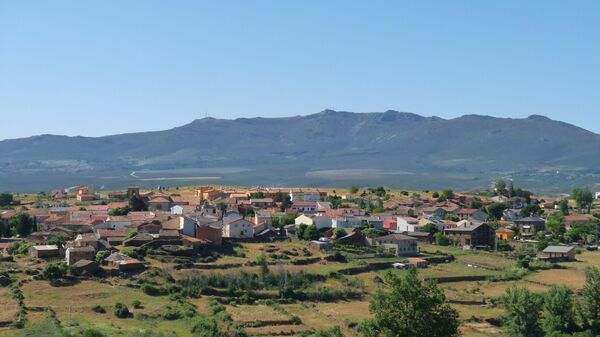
(276,261)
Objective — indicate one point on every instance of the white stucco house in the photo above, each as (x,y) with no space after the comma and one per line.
(238,228)
(321,221)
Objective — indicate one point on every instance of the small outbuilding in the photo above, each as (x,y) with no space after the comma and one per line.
(321,245)
(74,254)
(44,251)
(85,267)
(558,253)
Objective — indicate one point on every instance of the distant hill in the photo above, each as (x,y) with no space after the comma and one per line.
(330,148)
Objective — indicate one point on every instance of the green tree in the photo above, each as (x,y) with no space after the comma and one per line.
(411,308)
(441,239)
(431,228)
(261,260)
(582,231)
(591,299)
(556,227)
(21,224)
(101,255)
(338,233)
(559,316)
(119,211)
(137,203)
(584,199)
(445,195)
(452,217)
(501,187)
(523,312)
(5,199)
(564,207)
(531,210)
(380,191)
(475,204)
(56,240)
(300,230)
(310,233)
(54,271)
(353,189)
(4,228)
(286,202)
(495,210)
(257,195)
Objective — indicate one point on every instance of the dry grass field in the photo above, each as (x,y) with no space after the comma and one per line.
(476,301)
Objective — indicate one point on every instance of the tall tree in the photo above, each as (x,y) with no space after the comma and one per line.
(564,207)
(591,298)
(501,187)
(531,210)
(495,210)
(6,199)
(410,308)
(559,316)
(523,312)
(21,224)
(556,227)
(311,233)
(511,190)
(584,199)
(137,203)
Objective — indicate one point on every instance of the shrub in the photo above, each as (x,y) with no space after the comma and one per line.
(216,307)
(136,304)
(92,333)
(54,271)
(152,290)
(136,253)
(20,248)
(172,314)
(336,256)
(101,255)
(121,310)
(99,309)
(295,320)
(441,239)
(206,327)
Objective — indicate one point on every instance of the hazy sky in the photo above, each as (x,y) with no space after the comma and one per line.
(104,67)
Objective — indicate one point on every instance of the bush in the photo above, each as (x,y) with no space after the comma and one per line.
(121,310)
(99,309)
(136,304)
(136,253)
(101,255)
(172,314)
(92,333)
(20,248)
(152,290)
(54,271)
(337,257)
(512,274)
(206,327)
(441,239)
(295,320)
(184,310)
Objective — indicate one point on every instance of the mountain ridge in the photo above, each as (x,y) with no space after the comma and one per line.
(289,150)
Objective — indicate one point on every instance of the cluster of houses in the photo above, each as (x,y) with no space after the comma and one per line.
(202,221)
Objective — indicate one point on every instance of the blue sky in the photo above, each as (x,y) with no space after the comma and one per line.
(105,67)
